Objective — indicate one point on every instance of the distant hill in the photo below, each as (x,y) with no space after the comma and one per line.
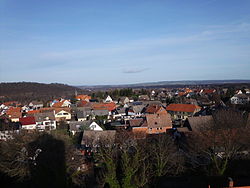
(27,91)
(167,84)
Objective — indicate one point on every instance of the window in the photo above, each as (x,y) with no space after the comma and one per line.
(65,114)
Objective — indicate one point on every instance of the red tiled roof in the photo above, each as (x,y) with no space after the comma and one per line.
(33,112)
(58,104)
(27,120)
(152,109)
(208,91)
(83,97)
(14,112)
(104,106)
(182,107)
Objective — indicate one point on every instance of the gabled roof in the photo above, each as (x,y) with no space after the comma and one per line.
(140,122)
(197,122)
(14,112)
(57,105)
(44,116)
(159,120)
(36,102)
(83,97)
(27,120)
(182,107)
(153,109)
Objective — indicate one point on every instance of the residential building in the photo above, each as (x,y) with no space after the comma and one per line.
(182,111)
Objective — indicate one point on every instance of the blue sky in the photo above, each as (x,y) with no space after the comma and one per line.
(84,42)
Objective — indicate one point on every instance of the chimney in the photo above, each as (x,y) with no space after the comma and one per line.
(231,182)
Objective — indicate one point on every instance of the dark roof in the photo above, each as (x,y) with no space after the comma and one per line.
(100,112)
(140,122)
(198,122)
(83,114)
(44,116)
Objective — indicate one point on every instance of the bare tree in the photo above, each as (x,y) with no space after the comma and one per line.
(165,157)
(15,158)
(221,140)
(106,156)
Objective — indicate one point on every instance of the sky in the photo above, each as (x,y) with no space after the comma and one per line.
(97,42)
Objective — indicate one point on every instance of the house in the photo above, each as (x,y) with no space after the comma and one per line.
(124,100)
(207,91)
(95,127)
(35,105)
(118,113)
(108,99)
(83,98)
(28,123)
(45,120)
(155,109)
(240,99)
(14,113)
(83,115)
(182,111)
(196,123)
(158,123)
(63,103)
(151,124)
(76,126)
(135,110)
(62,114)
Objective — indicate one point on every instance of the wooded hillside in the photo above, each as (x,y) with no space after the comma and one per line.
(27,91)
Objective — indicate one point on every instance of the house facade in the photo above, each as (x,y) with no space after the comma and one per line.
(182,111)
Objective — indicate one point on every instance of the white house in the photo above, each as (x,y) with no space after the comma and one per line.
(62,115)
(95,127)
(36,105)
(240,99)
(45,121)
(108,99)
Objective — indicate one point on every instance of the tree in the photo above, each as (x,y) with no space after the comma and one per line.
(107,158)
(16,158)
(165,157)
(220,141)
